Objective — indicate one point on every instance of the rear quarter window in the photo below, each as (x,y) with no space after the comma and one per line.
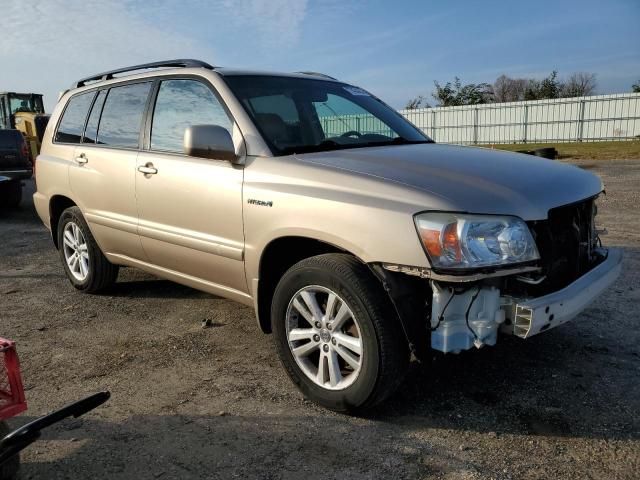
(73,119)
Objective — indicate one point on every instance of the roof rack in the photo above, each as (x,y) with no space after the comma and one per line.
(182,62)
(317,74)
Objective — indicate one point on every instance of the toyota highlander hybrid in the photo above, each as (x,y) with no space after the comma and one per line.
(357,239)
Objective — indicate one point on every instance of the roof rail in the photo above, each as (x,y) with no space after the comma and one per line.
(182,62)
(317,74)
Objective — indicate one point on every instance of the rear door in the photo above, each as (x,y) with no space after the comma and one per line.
(190,209)
(102,175)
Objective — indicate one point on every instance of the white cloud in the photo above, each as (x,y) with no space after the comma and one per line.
(264,23)
(276,22)
(47,44)
(83,30)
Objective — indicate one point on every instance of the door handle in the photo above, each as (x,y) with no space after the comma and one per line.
(148,169)
(81,159)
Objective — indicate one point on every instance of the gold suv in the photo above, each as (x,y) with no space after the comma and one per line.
(356,238)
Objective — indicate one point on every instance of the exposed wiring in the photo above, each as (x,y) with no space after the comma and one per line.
(441,316)
(466,316)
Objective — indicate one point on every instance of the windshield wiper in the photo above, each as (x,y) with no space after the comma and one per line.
(323,146)
(395,141)
(327,145)
(404,141)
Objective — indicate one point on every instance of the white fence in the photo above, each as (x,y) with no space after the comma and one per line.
(596,118)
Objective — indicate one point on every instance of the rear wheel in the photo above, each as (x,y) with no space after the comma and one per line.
(84,263)
(336,335)
(9,469)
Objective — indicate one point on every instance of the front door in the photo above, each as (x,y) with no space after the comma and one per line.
(190,209)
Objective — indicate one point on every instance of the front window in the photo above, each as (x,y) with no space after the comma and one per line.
(180,104)
(299,115)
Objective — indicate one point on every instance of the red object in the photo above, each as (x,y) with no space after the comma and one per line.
(12,401)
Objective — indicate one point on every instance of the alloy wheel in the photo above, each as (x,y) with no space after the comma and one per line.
(324,337)
(76,252)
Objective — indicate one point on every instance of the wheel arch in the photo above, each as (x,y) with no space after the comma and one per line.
(409,296)
(57,205)
(278,256)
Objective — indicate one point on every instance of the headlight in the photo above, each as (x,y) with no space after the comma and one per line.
(460,241)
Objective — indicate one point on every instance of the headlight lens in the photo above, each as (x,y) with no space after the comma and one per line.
(460,241)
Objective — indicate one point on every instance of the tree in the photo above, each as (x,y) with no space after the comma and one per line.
(507,89)
(549,87)
(579,84)
(416,102)
(446,96)
(635,88)
(458,94)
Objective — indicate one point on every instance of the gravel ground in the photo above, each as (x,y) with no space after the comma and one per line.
(189,402)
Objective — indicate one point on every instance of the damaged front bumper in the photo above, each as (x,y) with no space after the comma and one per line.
(528,317)
(463,315)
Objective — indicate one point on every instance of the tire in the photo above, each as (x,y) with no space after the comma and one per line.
(384,354)
(93,272)
(9,470)
(11,194)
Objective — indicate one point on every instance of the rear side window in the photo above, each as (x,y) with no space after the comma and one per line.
(73,118)
(91,132)
(181,103)
(122,115)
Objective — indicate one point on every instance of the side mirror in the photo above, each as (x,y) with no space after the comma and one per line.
(209,141)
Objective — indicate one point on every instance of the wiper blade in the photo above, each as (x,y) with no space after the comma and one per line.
(395,141)
(404,141)
(327,145)
(319,147)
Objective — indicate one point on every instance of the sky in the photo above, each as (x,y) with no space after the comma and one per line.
(393,49)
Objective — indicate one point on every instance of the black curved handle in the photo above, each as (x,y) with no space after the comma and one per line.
(27,434)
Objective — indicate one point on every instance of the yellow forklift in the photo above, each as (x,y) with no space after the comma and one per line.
(24,112)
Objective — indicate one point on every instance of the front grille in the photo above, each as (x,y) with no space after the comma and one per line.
(567,243)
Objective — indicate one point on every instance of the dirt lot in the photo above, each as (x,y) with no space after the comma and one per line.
(190,402)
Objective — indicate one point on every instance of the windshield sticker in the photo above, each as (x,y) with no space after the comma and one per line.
(356,91)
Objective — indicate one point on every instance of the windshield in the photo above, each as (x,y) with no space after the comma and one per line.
(25,103)
(299,115)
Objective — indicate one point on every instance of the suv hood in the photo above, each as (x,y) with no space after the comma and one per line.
(467,179)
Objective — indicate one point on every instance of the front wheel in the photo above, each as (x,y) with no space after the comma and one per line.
(336,333)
